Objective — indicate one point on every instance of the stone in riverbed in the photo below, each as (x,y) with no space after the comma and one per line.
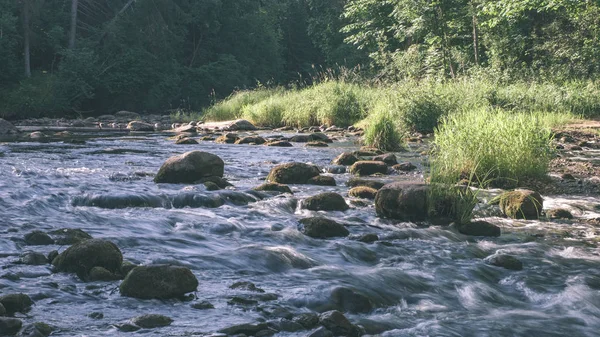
(279,143)
(336,169)
(355,182)
(323,228)
(346,159)
(38,238)
(322,181)
(186,141)
(158,281)
(69,236)
(348,300)
(101,274)
(82,257)
(248,329)
(14,303)
(275,187)
(10,326)
(521,204)
(307,320)
(479,228)
(316,144)
(388,158)
(363,192)
(320,332)
(404,167)
(228,138)
(559,213)
(189,168)
(338,324)
(37,329)
(151,321)
(33,259)
(140,126)
(328,201)
(293,173)
(202,305)
(251,140)
(505,261)
(241,125)
(368,167)
(7,129)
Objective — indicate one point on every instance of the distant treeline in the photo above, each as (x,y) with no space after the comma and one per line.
(85,57)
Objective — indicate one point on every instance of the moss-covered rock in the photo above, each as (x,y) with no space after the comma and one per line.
(316,144)
(152,321)
(279,143)
(388,158)
(82,257)
(363,192)
(559,213)
(275,187)
(293,173)
(322,181)
(189,168)
(521,204)
(229,138)
(38,238)
(368,167)
(10,326)
(158,281)
(338,324)
(251,140)
(186,141)
(101,274)
(355,182)
(328,201)
(479,228)
(322,228)
(505,261)
(14,303)
(346,159)
(69,236)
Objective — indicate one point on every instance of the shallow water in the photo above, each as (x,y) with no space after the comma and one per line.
(423,281)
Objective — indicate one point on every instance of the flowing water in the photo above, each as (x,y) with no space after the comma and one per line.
(423,281)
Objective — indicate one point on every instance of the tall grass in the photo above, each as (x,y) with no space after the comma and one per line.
(494,145)
(383,131)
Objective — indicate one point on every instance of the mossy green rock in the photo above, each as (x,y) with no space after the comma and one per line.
(69,236)
(322,181)
(275,187)
(559,213)
(81,258)
(189,168)
(101,274)
(10,326)
(363,192)
(158,281)
(322,228)
(355,182)
(14,303)
(151,321)
(293,173)
(521,204)
(368,167)
(251,140)
(505,261)
(479,228)
(328,201)
(346,159)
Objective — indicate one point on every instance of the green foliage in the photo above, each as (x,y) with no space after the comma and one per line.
(232,107)
(382,131)
(494,145)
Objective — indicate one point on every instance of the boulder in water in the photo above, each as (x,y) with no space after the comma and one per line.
(69,236)
(14,303)
(7,129)
(274,187)
(404,167)
(479,228)
(158,281)
(251,140)
(140,126)
(10,326)
(293,173)
(186,141)
(38,238)
(322,181)
(328,201)
(82,257)
(388,158)
(189,168)
(505,261)
(363,192)
(348,300)
(241,125)
(316,144)
(559,213)
(355,182)
(368,167)
(33,259)
(521,204)
(228,138)
(151,321)
(323,228)
(346,159)
(279,143)
(338,324)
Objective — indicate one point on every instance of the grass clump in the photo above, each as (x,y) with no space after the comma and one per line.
(232,107)
(494,146)
(382,130)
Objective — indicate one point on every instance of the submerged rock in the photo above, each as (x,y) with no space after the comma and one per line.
(151,321)
(228,138)
(7,129)
(363,192)
(328,201)
(348,300)
(368,167)
(101,274)
(69,236)
(274,187)
(346,159)
(505,261)
(279,143)
(158,281)
(338,324)
(336,169)
(479,228)
(388,158)
(316,144)
(251,140)
(307,320)
(38,238)
(375,184)
(323,228)
(559,213)
(82,257)
(14,303)
(320,332)
(404,167)
(10,326)
(33,259)
(248,329)
(322,181)
(186,141)
(140,126)
(36,330)
(293,173)
(190,167)
(521,204)
(202,305)
(246,285)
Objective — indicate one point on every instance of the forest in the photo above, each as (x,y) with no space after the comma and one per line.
(80,58)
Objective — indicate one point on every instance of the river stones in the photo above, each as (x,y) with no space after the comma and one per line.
(406,201)
(275,187)
(336,169)
(219,181)
(505,261)
(37,329)
(363,192)
(82,257)
(322,181)
(323,228)
(316,144)
(320,332)
(158,281)
(338,324)
(301,138)
(189,168)
(388,158)
(320,137)
(14,303)
(279,143)
(10,326)
(479,228)
(140,126)
(307,320)
(33,259)
(249,329)
(404,167)
(368,167)
(251,140)
(348,300)
(38,238)
(228,138)
(7,129)
(241,125)
(69,236)
(101,274)
(521,204)
(328,201)
(186,141)
(293,173)
(346,159)
(152,321)
(375,184)
(559,213)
